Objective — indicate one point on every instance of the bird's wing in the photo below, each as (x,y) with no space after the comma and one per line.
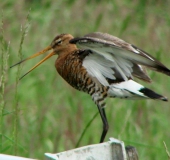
(110,54)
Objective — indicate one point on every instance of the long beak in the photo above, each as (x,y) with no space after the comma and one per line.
(33,56)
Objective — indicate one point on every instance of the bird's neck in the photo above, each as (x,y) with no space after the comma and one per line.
(67,50)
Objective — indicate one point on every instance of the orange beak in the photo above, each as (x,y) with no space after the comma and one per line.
(35,55)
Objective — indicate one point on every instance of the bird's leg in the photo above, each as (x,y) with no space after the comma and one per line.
(105,123)
(99,100)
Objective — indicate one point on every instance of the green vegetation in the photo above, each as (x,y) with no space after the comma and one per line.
(42,113)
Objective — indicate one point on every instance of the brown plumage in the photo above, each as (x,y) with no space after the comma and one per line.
(103,66)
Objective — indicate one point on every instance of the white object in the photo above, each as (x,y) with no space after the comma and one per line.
(114,149)
(9,157)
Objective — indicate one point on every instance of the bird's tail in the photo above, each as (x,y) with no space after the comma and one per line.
(151,94)
(133,90)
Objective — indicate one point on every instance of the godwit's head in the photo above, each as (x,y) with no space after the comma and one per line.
(59,45)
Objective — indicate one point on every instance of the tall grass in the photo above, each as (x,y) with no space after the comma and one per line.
(3,80)
(16,108)
(42,113)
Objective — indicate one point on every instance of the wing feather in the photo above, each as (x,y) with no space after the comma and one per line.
(109,54)
(98,68)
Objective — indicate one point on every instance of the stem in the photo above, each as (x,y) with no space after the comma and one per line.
(85,129)
(2,85)
(16,101)
(4,67)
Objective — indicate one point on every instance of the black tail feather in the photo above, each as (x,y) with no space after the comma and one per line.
(151,94)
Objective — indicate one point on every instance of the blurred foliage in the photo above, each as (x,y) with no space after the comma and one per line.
(52,115)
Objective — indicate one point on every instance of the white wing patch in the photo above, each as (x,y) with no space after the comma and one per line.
(101,66)
(126,66)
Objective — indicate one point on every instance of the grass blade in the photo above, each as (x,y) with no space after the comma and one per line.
(4,66)
(85,129)
(16,107)
(168,153)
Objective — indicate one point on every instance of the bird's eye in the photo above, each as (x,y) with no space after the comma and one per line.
(58,42)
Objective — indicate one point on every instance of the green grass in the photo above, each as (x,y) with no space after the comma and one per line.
(42,113)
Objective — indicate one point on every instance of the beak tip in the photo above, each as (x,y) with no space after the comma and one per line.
(35,55)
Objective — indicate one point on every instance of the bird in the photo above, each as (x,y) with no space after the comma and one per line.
(103,66)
